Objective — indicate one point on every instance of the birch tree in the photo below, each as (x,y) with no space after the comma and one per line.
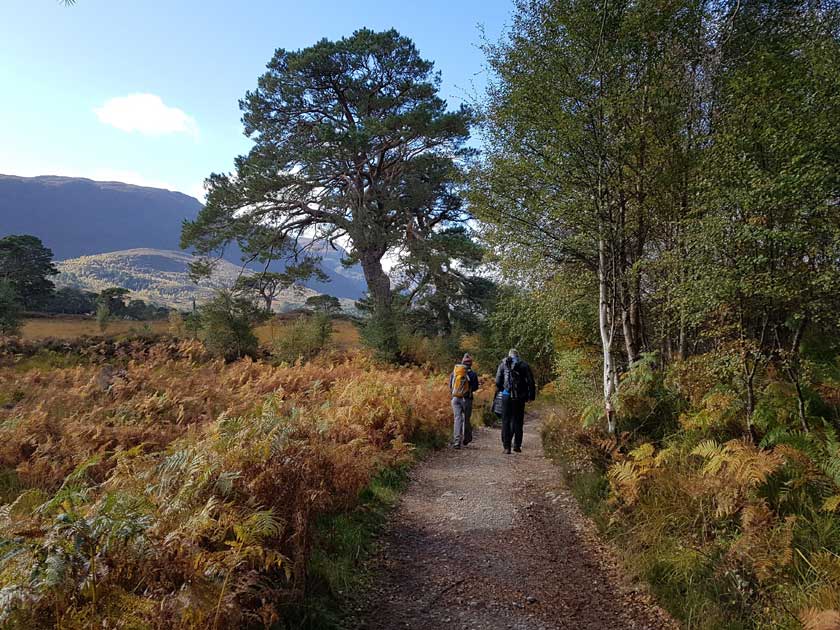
(584,124)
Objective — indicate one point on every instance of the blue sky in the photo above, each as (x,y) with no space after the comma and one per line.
(147,91)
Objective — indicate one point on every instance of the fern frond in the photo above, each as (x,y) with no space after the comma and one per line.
(645,451)
(814,619)
(707,449)
(259,526)
(831,503)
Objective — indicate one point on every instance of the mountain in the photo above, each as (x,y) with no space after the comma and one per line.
(78,217)
(161,277)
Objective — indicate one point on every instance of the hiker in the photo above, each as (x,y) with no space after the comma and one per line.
(463,383)
(515,381)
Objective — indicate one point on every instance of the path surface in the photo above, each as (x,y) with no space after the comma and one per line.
(486,541)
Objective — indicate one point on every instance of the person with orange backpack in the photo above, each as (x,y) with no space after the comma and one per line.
(463,383)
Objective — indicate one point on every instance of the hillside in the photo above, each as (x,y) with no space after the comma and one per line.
(159,276)
(78,217)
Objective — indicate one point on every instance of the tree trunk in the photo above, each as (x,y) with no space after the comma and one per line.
(382,329)
(605,324)
(751,406)
(378,282)
(630,343)
(800,397)
(792,366)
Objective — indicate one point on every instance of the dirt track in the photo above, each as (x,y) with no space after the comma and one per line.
(484,540)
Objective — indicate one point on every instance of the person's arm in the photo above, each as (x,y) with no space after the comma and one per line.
(500,377)
(532,385)
(474,384)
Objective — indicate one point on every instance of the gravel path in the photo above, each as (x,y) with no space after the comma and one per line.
(484,540)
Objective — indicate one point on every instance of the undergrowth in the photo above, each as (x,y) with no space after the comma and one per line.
(173,490)
(728,533)
(341,544)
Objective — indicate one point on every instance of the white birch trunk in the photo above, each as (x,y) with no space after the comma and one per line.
(605,324)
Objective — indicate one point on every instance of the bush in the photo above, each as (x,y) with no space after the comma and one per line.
(380,333)
(11,311)
(103,316)
(227,326)
(303,338)
(645,405)
(436,352)
(192,324)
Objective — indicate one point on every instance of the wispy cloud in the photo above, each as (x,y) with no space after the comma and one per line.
(146,114)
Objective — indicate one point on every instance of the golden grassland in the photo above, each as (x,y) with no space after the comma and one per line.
(166,489)
(345,334)
(73,327)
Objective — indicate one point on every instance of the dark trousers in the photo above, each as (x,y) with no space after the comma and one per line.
(513,419)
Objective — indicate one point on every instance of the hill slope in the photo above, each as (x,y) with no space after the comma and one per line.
(158,276)
(80,217)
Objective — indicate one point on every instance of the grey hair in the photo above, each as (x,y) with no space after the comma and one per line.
(514,353)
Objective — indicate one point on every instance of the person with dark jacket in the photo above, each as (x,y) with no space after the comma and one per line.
(515,380)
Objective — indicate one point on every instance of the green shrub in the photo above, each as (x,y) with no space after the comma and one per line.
(227,326)
(103,316)
(192,324)
(303,338)
(11,311)
(645,405)
(380,333)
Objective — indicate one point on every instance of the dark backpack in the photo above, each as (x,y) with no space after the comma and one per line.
(516,380)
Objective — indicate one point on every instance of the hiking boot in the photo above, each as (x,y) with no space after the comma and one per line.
(516,449)
(456,446)
(507,451)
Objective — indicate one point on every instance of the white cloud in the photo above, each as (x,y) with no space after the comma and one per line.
(146,114)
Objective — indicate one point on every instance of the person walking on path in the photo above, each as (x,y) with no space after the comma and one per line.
(515,380)
(463,383)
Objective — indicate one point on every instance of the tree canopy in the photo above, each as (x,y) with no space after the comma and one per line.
(679,161)
(27,266)
(352,145)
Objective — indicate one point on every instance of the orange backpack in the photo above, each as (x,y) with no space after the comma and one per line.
(460,381)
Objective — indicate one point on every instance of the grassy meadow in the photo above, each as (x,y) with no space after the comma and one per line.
(345,335)
(74,327)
